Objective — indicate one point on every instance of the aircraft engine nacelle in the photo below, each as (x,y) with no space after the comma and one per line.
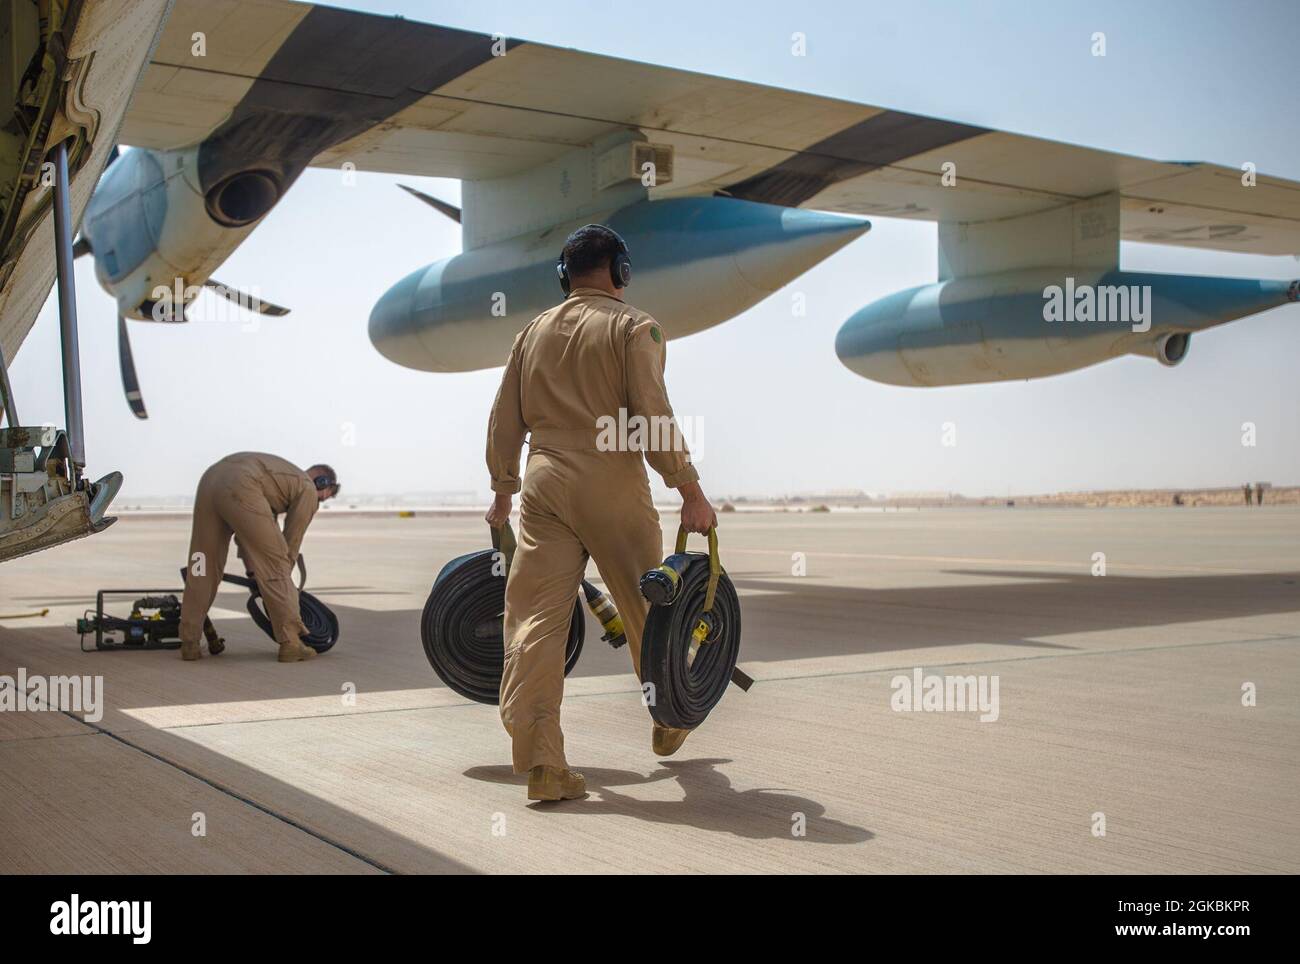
(156,234)
(1041,321)
(695,263)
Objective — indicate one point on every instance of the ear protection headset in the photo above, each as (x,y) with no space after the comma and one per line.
(323,482)
(620,266)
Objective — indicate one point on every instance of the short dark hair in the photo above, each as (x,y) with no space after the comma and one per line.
(590,248)
(327,471)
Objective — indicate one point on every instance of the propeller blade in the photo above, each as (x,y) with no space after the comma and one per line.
(238,297)
(450,210)
(130,384)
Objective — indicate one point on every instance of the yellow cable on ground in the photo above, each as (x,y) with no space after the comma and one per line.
(43,612)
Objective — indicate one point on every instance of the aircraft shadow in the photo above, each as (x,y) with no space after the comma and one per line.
(380,650)
(789,618)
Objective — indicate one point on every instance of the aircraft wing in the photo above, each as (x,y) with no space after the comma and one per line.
(389,94)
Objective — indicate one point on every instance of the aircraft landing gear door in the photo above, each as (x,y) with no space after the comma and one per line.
(44,501)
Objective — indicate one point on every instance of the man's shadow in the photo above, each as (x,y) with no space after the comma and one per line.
(708,802)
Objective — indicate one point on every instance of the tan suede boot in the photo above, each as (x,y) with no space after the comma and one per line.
(295,651)
(554,783)
(216,645)
(190,651)
(666,740)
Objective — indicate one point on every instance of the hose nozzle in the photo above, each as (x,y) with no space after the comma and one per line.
(603,609)
(660,586)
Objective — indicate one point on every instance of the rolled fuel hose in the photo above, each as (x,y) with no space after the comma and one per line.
(322,625)
(692,635)
(461,627)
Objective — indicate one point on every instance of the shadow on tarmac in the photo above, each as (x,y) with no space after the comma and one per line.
(709,802)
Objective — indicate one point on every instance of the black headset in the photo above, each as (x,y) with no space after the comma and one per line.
(323,482)
(620,266)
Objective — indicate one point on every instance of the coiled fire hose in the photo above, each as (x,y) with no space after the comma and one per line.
(692,635)
(322,625)
(461,627)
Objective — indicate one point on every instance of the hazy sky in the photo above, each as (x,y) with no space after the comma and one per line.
(1181,81)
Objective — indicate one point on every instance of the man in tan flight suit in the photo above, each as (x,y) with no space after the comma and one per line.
(241,496)
(570,372)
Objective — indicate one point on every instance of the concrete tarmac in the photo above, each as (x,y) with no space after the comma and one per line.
(1145,721)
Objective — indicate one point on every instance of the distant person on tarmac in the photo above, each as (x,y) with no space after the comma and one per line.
(571,369)
(241,496)
(1245,491)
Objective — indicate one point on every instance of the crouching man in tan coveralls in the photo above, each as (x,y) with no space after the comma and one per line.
(241,496)
(569,373)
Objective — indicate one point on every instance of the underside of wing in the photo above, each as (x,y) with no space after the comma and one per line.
(393,95)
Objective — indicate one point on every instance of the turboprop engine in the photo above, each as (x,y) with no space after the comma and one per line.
(151,227)
(156,236)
